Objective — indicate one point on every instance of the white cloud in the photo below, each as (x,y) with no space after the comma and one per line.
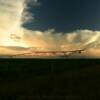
(77,39)
(10,19)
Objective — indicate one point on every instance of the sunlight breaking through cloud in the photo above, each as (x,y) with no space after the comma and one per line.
(13,14)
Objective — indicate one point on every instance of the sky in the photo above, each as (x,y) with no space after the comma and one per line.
(50,25)
(65,15)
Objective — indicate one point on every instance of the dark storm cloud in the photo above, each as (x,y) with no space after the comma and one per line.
(65,15)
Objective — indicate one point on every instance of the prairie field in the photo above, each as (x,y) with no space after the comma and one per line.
(70,79)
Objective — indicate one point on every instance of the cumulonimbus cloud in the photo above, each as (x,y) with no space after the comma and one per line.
(13,13)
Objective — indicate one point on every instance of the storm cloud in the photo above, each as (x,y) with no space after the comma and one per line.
(13,13)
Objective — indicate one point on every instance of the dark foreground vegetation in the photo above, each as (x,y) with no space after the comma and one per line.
(52,79)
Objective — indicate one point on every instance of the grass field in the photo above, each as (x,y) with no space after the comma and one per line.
(43,79)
